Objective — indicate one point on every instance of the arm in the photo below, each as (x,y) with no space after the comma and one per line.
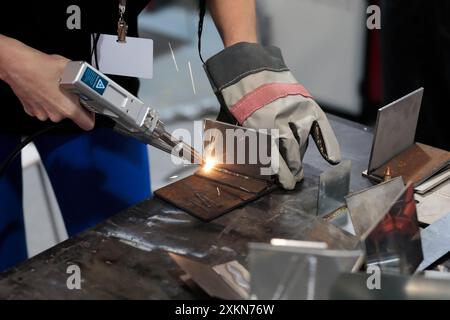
(235,20)
(34,78)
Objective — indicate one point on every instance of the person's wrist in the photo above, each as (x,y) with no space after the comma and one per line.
(233,42)
(4,53)
(230,41)
(9,56)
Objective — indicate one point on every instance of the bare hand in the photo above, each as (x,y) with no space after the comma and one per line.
(34,78)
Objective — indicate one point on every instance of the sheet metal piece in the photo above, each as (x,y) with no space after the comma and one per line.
(393,287)
(435,242)
(236,276)
(288,273)
(212,193)
(368,206)
(235,180)
(238,149)
(390,138)
(416,164)
(434,182)
(210,280)
(434,205)
(341,219)
(334,186)
(394,242)
(432,274)
(207,199)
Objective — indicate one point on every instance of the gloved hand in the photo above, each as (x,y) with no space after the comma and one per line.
(257,90)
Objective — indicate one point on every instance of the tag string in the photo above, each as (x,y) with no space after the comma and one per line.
(95,38)
(122,8)
(202,13)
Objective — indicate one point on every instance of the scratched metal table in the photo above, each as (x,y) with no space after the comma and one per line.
(126,256)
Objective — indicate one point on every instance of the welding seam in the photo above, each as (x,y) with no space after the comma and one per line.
(235,174)
(225,184)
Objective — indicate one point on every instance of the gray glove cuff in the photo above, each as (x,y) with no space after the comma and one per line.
(240,60)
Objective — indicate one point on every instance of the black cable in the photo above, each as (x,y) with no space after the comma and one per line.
(202,13)
(65,126)
(13,155)
(95,38)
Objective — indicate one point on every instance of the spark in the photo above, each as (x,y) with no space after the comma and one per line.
(192,77)
(209,165)
(173,57)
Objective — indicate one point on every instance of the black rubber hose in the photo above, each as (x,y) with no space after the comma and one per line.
(63,126)
(13,155)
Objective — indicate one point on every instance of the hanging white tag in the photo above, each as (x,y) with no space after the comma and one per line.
(133,58)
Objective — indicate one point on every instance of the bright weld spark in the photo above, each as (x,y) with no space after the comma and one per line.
(209,165)
(192,77)
(173,57)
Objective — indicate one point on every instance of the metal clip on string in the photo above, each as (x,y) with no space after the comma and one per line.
(122,27)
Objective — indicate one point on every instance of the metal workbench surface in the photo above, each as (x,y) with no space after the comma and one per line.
(126,256)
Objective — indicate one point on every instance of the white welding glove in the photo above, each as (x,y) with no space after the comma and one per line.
(257,90)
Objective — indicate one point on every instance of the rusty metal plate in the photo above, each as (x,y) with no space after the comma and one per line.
(235,180)
(208,199)
(417,164)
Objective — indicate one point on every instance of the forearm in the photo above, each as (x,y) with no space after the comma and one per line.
(4,49)
(9,49)
(235,20)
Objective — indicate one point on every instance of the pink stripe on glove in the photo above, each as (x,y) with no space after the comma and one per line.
(263,96)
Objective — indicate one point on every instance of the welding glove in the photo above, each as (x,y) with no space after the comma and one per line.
(257,90)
